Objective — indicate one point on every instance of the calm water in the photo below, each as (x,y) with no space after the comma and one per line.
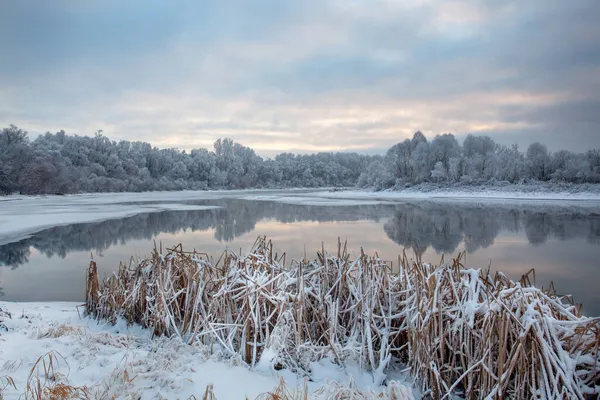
(562,243)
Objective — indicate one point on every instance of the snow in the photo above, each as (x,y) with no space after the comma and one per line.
(466,194)
(122,360)
(21,217)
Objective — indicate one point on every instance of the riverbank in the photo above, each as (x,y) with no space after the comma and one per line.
(451,326)
(175,323)
(98,360)
(551,192)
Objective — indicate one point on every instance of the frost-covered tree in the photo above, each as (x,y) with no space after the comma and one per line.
(478,145)
(14,152)
(376,176)
(480,160)
(455,168)
(538,161)
(510,164)
(417,139)
(480,157)
(419,162)
(442,149)
(438,173)
(398,158)
(593,162)
(63,163)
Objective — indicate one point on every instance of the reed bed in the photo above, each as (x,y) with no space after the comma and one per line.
(460,331)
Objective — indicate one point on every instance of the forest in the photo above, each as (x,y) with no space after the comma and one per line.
(60,163)
(479,160)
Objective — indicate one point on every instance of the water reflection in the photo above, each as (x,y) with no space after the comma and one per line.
(561,243)
(416,226)
(235,218)
(424,225)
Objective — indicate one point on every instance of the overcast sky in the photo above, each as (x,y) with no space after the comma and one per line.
(304,75)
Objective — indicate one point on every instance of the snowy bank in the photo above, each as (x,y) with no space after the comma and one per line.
(21,217)
(460,331)
(468,193)
(120,361)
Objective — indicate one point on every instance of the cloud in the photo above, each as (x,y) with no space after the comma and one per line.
(303,76)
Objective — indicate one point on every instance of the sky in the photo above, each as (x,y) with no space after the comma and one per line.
(304,76)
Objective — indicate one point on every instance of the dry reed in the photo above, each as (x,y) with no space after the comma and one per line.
(6,382)
(461,331)
(60,330)
(45,382)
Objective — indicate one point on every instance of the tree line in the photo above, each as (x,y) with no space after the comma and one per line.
(478,160)
(60,163)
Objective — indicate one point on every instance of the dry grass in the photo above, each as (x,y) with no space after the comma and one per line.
(61,330)
(45,382)
(119,384)
(460,331)
(5,382)
(332,391)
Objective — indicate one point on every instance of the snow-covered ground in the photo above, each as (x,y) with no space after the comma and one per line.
(121,361)
(462,194)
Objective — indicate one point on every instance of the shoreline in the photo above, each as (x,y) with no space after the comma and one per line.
(344,310)
(525,192)
(176,325)
(23,216)
(546,191)
(116,361)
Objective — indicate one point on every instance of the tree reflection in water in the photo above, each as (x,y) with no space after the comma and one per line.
(413,225)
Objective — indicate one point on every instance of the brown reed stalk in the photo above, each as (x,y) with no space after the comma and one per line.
(461,331)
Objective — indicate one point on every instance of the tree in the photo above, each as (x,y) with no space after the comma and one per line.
(438,173)
(398,158)
(480,157)
(482,145)
(417,139)
(538,161)
(442,149)
(376,176)
(179,171)
(419,162)
(12,136)
(510,164)
(14,153)
(455,169)
(62,163)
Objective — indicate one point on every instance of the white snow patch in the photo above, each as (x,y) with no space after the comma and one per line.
(97,355)
(21,218)
(460,195)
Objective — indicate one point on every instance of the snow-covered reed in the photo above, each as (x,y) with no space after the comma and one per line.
(461,331)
